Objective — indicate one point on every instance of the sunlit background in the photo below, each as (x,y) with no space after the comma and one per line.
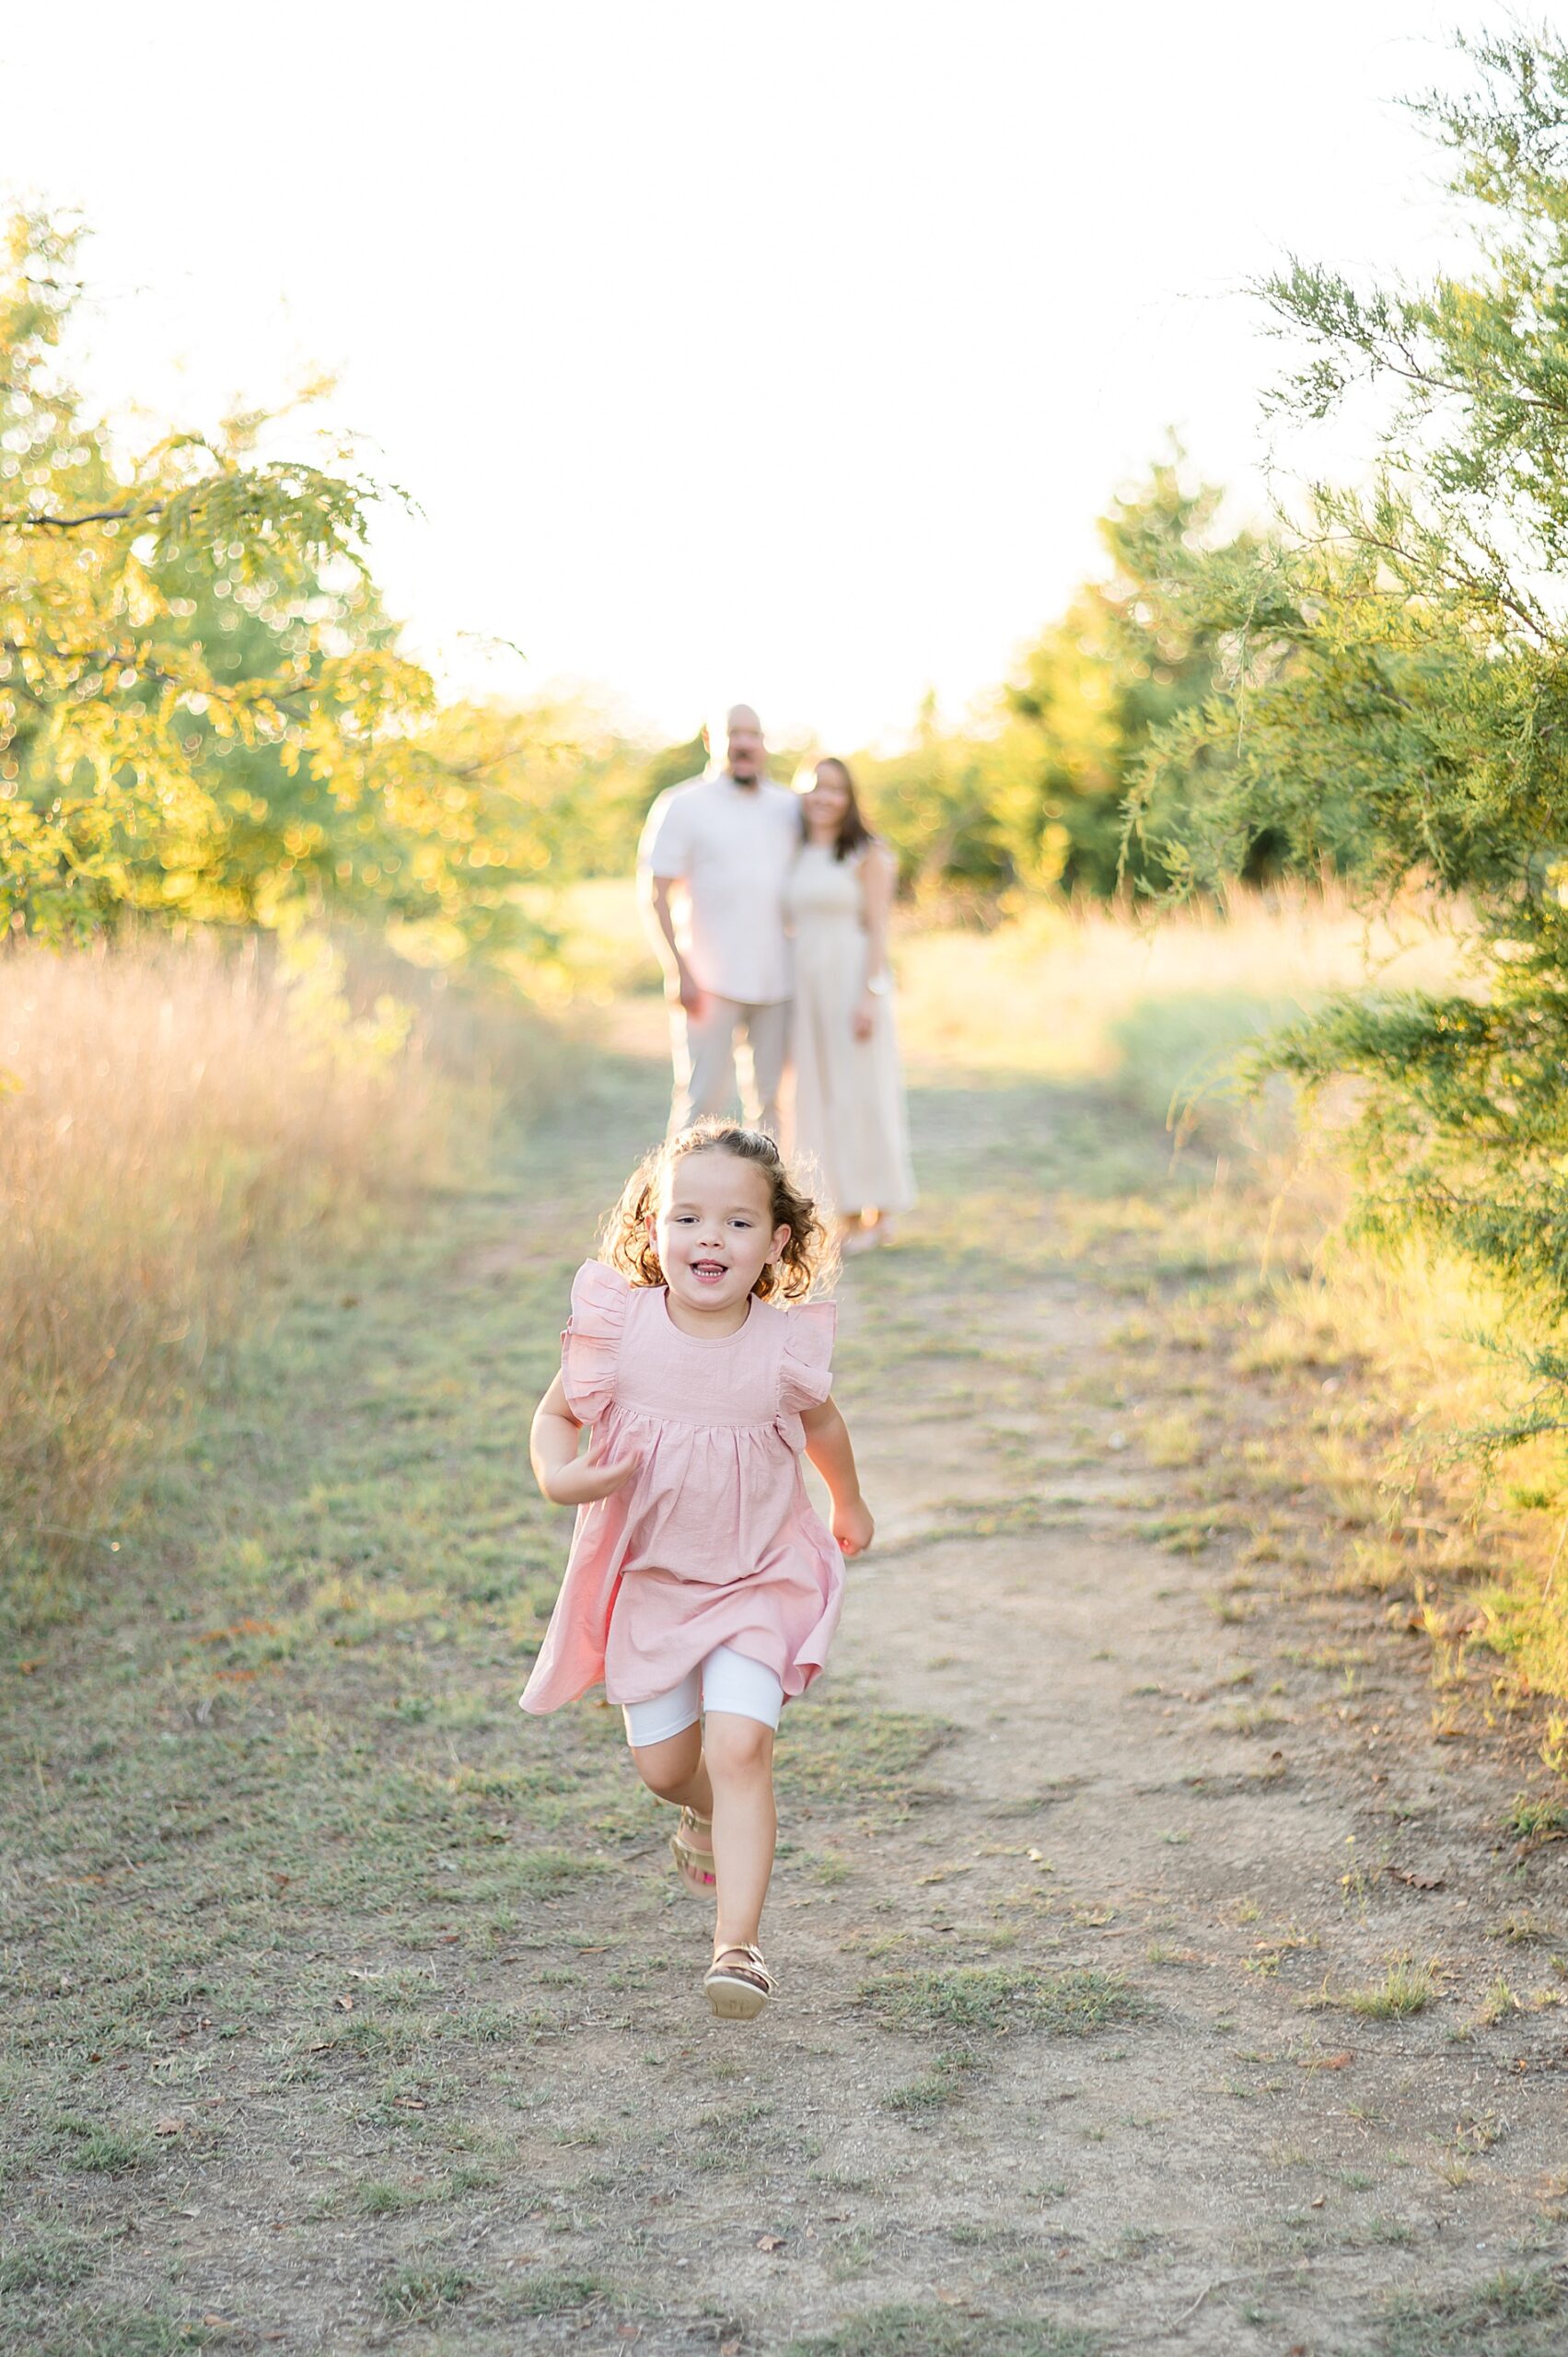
(785,353)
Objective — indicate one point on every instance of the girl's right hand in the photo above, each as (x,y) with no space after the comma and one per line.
(852,1526)
(583,1483)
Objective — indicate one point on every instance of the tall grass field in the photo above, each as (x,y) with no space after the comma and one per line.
(170,1117)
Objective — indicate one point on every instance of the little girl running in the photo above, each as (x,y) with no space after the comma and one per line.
(701,1587)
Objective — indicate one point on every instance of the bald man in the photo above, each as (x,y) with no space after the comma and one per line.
(712,864)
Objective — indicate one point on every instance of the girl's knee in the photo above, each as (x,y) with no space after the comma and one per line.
(737,1747)
(668,1769)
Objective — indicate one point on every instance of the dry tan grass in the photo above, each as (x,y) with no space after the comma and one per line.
(1156,1010)
(1090,992)
(167,1113)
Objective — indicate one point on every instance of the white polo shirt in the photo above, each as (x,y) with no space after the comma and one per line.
(730,848)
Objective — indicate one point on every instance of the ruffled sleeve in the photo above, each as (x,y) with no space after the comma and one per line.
(806,1367)
(590,1347)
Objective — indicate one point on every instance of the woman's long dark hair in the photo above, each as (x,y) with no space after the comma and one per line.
(853,828)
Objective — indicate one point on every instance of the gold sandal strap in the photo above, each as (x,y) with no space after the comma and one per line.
(754,1971)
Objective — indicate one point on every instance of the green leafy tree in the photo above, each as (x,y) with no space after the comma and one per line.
(1397,694)
(203,711)
(1131,654)
(937,804)
(1033,796)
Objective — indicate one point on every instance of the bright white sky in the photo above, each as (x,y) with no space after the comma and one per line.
(784,353)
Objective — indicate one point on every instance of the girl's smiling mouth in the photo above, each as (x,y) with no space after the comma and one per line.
(710,1273)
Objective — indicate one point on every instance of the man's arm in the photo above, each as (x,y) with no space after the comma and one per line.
(660,918)
(660,863)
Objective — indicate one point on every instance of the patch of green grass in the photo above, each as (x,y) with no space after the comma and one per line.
(378,2199)
(909,2331)
(383,2041)
(1180,1534)
(81,2331)
(96,2149)
(1535,1820)
(471,2176)
(1498,2004)
(942,2085)
(50,2263)
(997,1997)
(851,1753)
(416,2293)
(558,2293)
(1520,1930)
(1510,2315)
(1406,1988)
(545,1873)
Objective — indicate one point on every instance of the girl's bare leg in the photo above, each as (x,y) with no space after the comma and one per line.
(738,1754)
(677,1770)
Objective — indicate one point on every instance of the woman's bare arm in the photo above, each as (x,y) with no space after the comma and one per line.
(878,873)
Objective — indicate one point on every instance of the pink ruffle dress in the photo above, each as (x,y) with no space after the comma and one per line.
(713,1541)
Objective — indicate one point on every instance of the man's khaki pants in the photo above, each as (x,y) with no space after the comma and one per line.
(708,1048)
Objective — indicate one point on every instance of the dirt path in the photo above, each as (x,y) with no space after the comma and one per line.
(1228,1790)
(351,2010)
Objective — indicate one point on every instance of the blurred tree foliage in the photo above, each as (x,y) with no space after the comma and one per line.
(1398,692)
(1034,796)
(204,712)
(936,803)
(1130,655)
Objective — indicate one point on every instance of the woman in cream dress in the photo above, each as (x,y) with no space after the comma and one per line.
(848,1115)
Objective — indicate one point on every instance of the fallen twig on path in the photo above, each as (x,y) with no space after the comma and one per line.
(1249,2275)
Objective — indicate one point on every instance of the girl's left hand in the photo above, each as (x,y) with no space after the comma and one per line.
(863,1022)
(853,1527)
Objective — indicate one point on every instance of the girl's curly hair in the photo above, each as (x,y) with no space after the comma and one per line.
(807,1261)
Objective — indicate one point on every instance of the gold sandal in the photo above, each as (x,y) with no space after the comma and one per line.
(695,1867)
(737,1993)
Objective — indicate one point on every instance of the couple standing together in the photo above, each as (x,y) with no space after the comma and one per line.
(769,915)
